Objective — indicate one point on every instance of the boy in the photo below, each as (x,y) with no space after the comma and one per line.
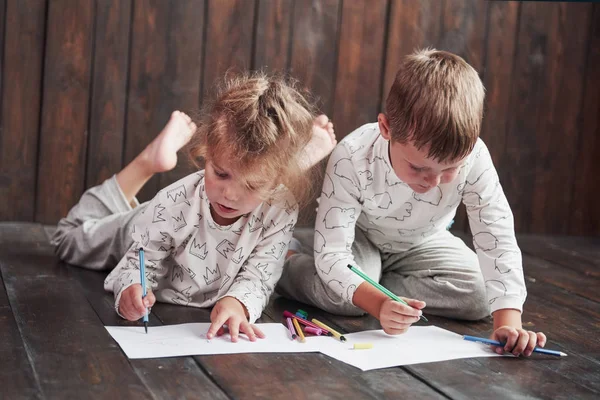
(390,191)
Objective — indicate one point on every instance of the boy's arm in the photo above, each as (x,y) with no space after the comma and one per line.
(507,317)
(339,208)
(369,299)
(491,221)
(256,280)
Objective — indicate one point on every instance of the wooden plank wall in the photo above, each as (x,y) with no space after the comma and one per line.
(86,85)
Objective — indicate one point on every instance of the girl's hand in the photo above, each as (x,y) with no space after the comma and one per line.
(131,305)
(232,312)
(517,341)
(396,318)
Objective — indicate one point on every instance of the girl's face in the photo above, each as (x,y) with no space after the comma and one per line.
(229,193)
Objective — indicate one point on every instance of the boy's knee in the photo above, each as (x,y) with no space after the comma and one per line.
(344,309)
(478,307)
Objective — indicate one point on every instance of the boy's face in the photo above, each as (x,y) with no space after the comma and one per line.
(230,196)
(413,167)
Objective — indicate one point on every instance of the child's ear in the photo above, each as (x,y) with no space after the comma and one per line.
(384,126)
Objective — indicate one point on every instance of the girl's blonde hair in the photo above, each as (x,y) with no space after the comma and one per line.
(260,123)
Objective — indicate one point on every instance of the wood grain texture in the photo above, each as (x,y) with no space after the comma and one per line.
(412,25)
(229,36)
(314,48)
(85,88)
(500,51)
(250,376)
(464,29)
(273,33)
(581,254)
(390,383)
(585,213)
(71,352)
(165,71)
(171,377)
(19,379)
(541,146)
(469,378)
(360,64)
(18,382)
(65,108)
(58,312)
(109,90)
(23,44)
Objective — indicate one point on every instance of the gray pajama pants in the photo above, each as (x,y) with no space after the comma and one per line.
(443,272)
(96,233)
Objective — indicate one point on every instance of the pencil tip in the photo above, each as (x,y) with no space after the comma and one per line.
(563,354)
(343,339)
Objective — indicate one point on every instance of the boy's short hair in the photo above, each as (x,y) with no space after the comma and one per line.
(436,101)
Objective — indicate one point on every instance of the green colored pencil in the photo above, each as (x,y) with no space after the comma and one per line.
(383,290)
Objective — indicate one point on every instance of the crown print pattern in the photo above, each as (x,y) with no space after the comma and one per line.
(195,262)
(362,191)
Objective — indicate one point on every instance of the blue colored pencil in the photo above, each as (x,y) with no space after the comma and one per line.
(143,282)
(497,343)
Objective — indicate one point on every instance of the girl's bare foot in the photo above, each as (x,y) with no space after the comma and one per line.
(161,154)
(321,143)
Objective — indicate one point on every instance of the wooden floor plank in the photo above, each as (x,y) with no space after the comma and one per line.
(581,254)
(291,374)
(477,377)
(562,277)
(167,378)
(17,378)
(569,319)
(70,352)
(468,378)
(389,383)
(249,376)
(57,328)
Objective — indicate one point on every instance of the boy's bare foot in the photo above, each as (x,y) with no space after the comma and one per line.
(321,143)
(161,154)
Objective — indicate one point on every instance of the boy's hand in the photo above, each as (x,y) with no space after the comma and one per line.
(517,341)
(396,318)
(131,305)
(232,312)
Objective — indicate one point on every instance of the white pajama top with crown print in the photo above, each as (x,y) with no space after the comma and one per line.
(191,260)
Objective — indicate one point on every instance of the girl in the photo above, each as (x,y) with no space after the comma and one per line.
(216,237)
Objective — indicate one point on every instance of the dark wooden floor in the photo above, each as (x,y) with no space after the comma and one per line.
(53,344)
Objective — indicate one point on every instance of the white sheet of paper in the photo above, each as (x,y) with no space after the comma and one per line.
(190,339)
(420,344)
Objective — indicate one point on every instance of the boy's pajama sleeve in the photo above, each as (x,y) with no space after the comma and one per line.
(339,208)
(151,232)
(256,280)
(491,222)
